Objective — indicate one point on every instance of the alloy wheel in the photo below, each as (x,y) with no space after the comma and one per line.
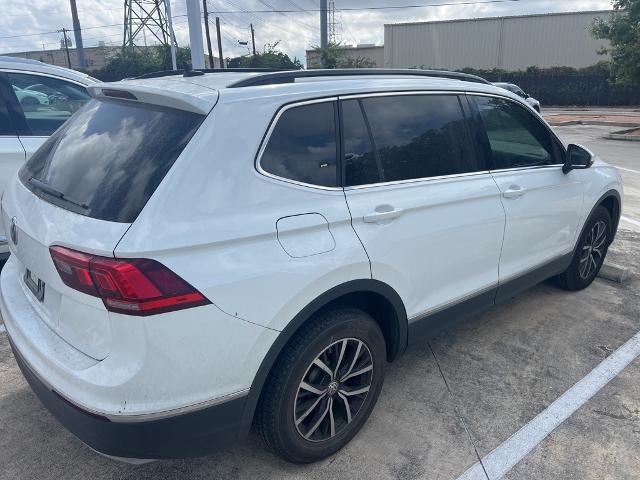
(333,389)
(593,250)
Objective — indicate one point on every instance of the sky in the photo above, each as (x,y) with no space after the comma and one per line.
(32,25)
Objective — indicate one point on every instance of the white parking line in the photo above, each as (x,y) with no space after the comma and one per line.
(507,455)
(627,169)
(630,220)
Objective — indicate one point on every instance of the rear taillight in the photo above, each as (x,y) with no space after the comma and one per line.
(133,286)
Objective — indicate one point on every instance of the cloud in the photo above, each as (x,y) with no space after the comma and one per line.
(35,24)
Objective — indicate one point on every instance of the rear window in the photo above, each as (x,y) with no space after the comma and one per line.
(109,158)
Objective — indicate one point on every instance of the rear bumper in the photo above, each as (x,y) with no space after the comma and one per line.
(192,434)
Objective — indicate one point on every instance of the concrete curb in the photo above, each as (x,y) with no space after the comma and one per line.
(622,135)
(613,272)
(593,122)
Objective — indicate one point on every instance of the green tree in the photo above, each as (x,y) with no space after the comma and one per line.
(622,29)
(271,57)
(334,55)
(133,63)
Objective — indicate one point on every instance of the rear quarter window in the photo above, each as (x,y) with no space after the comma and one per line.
(109,158)
(303,146)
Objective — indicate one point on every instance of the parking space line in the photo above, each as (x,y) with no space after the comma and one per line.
(507,455)
(630,220)
(627,169)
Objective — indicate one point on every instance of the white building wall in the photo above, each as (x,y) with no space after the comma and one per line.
(510,43)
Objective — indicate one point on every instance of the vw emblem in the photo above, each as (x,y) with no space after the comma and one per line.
(13,231)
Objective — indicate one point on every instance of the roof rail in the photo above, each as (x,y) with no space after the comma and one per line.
(290,76)
(168,73)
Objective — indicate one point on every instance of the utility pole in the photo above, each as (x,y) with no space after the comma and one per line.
(195,34)
(77,33)
(206,31)
(66,45)
(172,35)
(219,42)
(323,24)
(253,39)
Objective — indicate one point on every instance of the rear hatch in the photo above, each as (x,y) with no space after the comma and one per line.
(82,190)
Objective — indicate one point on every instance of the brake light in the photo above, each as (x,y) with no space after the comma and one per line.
(134,286)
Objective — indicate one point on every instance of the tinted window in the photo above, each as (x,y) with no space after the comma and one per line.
(361,167)
(517,138)
(417,136)
(46,102)
(303,146)
(108,159)
(6,128)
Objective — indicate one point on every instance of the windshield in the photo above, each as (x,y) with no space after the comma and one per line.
(108,159)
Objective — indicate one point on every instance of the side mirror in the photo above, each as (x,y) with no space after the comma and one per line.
(577,158)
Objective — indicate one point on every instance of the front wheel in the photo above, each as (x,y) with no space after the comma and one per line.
(590,252)
(323,387)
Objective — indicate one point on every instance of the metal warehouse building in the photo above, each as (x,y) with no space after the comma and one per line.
(508,43)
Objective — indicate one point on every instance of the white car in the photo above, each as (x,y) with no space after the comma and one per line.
(28,116)
(193,255)
(28,98)
(512,87)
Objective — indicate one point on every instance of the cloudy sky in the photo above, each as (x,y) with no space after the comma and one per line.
(32,25)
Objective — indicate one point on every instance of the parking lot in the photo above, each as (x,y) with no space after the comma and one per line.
(446,405)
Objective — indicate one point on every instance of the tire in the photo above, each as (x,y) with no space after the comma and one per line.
(295,422)
(590,252)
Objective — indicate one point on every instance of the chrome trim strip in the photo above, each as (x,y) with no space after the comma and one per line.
(416,180)
(395,93)
(267,137)
(42,74)
(531,167)
(177,411)
(452,303)
(534,268)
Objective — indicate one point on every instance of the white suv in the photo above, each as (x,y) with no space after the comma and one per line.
(195,254)
(35,99)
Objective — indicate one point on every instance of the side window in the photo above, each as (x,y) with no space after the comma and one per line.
(361,163)
(517,138)
(6,127)
(415,136)
(303,146)
(46,102)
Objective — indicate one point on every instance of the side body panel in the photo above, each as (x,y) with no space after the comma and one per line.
(215,218)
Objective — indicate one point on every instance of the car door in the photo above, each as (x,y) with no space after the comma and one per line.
(423,203)
(541,203)
(12,153)
(43,103)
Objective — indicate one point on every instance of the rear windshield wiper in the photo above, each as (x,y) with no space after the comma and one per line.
(40,185)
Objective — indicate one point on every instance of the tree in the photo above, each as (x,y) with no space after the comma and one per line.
(141,60)
(334,55)
(622,29)
(271,57)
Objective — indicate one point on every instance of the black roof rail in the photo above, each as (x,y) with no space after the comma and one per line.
(168,73)
(290,76)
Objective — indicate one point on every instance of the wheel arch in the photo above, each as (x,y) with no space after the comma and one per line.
(376,298)
(611,200)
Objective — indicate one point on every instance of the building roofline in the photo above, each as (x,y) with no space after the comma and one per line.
(350,48)
(497,18)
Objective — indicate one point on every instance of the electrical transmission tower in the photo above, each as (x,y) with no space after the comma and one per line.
(142,17)
(333,25)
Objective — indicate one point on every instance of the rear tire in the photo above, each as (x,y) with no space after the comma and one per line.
(590,252)
(310,407)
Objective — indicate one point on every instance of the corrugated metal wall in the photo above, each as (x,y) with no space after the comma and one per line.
(510,43)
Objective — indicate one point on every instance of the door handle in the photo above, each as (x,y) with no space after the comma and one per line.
(383,213)
(514,191)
